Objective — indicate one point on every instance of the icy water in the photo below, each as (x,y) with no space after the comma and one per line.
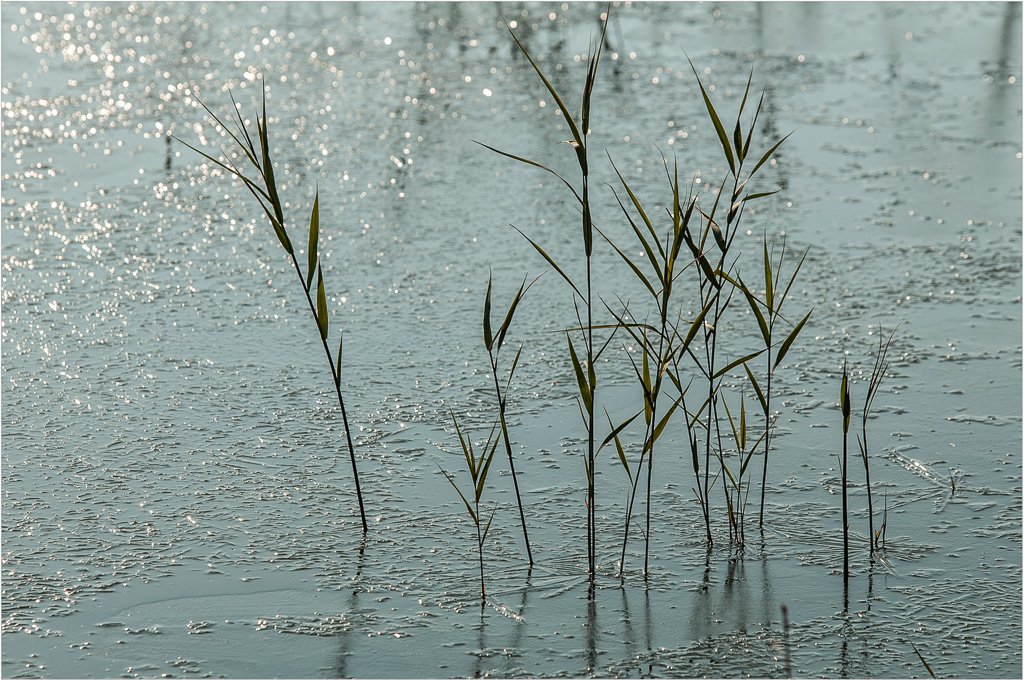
(177,500)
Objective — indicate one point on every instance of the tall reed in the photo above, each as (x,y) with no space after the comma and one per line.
(478,464)
(586,378)
(265,192)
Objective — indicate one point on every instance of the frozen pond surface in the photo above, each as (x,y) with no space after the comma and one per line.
(176,496)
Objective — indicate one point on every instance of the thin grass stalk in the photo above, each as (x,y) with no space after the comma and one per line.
(511,462)
(478,465)
(877,373)
(844,404)
(493,343)
(336,373)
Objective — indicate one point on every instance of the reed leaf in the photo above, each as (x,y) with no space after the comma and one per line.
(536,165)
(760,195)
(768,155)
(784,348)
(321,304)
(469,507)
(551,262)
(577,137)
(757,389)
(736,363)
(314,240)
(581,381)
(792,278)
(641,211)
(488,337)
(664,420)
(719,128)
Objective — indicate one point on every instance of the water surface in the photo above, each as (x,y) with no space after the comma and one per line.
(176,496)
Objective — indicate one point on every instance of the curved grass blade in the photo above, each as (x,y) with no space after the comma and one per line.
(757,389)
(614,435)
(469,506)
(581,381)
(312,250)
(769,291)
(784,348)
(488,337)
(535,164)
(486,529)
(719,128)
(736,363)
(751,197)
(792,279)
(580,150)
(664,420)
(551,262)
(321,304)
(767,155)
(639,209)
(636,270)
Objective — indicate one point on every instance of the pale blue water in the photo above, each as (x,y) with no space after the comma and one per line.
(177,499)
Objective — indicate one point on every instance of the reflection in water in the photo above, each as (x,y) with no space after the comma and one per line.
(481,644)
(785,642)
(591,625)
(348,637)
(1007,44)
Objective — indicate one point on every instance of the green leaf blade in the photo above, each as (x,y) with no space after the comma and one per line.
(321,304)
(312,251)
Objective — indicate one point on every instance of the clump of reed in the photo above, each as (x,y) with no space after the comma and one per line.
(667,341)
(878,371)
(660,343)
(265,191)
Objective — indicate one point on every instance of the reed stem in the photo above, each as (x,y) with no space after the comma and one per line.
(336,375)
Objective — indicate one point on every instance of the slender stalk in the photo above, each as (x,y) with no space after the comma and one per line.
(336,375)
(844,405)
(480,555)
(508,451)
(877,373)
(592,501)
(767,431)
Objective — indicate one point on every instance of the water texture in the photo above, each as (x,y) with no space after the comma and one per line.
(177,500)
